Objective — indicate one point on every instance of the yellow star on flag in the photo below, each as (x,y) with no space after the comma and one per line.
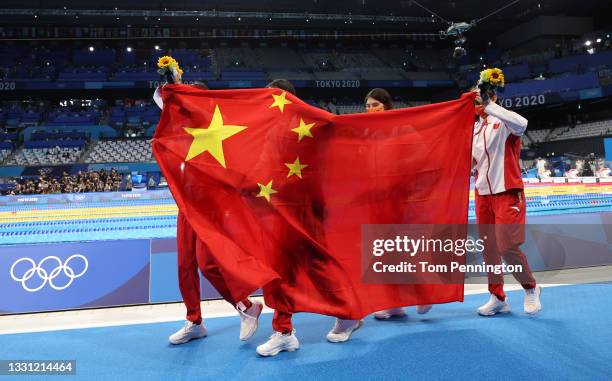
(211,139)
(296,167)
(280,101)
(303,129)
(266,190)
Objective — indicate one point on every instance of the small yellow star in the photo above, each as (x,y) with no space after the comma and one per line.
(280,101)
(295,168)
(266,190)
(211,139)
(303,129)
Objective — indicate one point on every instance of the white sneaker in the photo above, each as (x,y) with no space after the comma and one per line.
(249,319)
(532,303)
(390,313)
(189,331)
(422,310)
(343,329)
(279,342)
(493,306)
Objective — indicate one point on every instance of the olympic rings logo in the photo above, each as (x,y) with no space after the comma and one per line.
(48,277)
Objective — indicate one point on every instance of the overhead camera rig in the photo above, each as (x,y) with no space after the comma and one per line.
(457,29)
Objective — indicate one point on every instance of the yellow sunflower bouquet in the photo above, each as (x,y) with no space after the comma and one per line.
(169,68)
(494,77)
(491,80)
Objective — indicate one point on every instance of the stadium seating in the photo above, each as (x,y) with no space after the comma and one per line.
(262,58)
(381,73)
(537,136)
(556,132)
(296,75)
(14,115)
(247,63)
(5,148)
(198,75)
(187,57)
(349,109)
(562,83)
(242,75)
(83,74)
(110,151)
(336,75)
(136,74)
(66,117)
(599,128)
(518,72)
(67,135)
(32,74)
(42,127)
(100,57)
(580,62)
(357,108)
(4,154)
(584,130)
(133,116)
(45,156)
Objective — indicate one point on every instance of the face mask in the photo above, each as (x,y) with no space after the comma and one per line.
(376,109)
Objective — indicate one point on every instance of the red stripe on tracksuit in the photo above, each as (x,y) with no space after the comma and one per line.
(484,137)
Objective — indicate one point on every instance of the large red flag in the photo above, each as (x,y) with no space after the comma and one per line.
(278,190)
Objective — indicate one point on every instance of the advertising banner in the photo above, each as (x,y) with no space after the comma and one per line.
(69,198)
(62,276)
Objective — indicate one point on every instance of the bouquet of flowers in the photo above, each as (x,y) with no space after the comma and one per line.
(490,81)
(169,68)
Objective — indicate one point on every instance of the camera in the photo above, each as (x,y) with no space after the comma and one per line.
(459,52)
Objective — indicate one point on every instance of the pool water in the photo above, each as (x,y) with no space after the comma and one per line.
(156,218)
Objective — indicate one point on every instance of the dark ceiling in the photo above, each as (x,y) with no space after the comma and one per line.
(459,10)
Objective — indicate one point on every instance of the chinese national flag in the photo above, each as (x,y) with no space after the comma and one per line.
(278,190)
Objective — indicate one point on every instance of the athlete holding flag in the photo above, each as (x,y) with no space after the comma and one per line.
(500,200)
(192,254)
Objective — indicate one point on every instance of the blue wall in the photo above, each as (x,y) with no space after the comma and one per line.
(76,275)
(608,148)
(125,272)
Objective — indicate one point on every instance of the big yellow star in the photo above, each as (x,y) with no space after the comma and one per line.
(211,139)
(266,190)
(303,129)
(296,167)
(280,101)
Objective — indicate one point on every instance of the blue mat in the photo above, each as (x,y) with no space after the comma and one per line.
(570,339)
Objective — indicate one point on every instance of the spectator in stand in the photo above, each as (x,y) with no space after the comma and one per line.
(128,182)
(602,170)
(89,181)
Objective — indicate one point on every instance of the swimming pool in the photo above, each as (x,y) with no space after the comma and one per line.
(117,216)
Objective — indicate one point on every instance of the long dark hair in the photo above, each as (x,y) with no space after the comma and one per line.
(282,84)
(382,96)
